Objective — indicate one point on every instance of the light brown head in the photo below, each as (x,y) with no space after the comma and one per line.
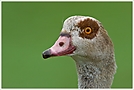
(84,36)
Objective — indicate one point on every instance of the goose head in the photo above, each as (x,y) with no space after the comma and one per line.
(87,42)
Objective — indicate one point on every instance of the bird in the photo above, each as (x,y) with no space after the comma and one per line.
(85,39)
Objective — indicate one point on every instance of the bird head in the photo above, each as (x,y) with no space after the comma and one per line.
(81,36)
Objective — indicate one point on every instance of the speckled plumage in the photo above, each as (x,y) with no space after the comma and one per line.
(94,53)
(94,58)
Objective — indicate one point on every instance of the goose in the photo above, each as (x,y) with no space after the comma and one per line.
(85,40)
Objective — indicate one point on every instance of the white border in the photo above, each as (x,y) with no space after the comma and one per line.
(0,46)
(70,0)
(59,0)
(133,44)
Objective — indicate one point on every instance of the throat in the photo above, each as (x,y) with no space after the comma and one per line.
(95,74)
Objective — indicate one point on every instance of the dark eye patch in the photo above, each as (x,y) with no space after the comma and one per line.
(88,23)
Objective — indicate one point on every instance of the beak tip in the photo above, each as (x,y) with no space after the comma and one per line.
(46,54)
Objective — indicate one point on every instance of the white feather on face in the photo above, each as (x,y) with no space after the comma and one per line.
(95,47)
(70,23)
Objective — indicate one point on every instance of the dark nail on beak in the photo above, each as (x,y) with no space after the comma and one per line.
(46,54)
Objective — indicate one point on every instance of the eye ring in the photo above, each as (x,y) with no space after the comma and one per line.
(87,30)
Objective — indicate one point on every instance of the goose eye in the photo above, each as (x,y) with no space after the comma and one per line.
(87,30)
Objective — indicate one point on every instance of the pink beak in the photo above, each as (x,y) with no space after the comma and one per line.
(61,47)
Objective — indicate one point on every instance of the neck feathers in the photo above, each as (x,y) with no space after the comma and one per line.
(95,74)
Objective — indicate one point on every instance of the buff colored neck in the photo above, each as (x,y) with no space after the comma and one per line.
(95,74)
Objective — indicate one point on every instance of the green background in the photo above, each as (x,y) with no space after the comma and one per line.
(28,28)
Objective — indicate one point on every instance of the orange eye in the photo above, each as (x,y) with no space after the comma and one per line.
(87,30)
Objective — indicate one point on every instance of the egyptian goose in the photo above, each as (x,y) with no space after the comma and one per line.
(85,40)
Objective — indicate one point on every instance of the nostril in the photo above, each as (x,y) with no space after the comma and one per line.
(61,44)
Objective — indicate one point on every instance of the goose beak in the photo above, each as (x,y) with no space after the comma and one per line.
(62,46)
(46,54)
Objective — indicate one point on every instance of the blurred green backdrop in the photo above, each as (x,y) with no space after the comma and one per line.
(28,28)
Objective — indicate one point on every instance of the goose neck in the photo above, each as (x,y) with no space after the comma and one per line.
(95,74)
